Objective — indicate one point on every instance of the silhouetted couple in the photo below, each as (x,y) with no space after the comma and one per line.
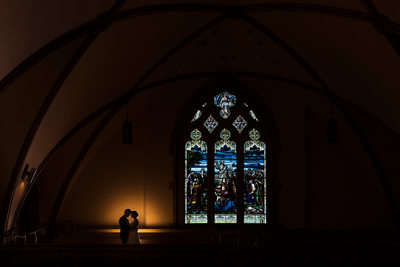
(129,228)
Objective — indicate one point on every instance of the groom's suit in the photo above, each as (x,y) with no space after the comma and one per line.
(124,229)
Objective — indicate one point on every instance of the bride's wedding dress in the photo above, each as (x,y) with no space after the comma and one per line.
(133,238)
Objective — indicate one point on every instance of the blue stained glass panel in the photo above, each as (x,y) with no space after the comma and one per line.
(239,123)
(255,187)
(253,115)
(210,123)
(225,169)
(196,116)
(225,101)
(195,180)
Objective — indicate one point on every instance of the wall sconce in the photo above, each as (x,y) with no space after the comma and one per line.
(127,129)
(28,174)
(127,132)
(332,129)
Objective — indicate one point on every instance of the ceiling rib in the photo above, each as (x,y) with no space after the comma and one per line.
(119,101)
(383,178)
(46,104)
(383,25)
(75,165)
(149,10)
(93,137)
(272,36)
(275,38)
(177,47)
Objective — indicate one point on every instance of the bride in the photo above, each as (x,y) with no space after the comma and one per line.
(133,238)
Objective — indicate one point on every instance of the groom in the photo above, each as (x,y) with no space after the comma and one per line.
(124,226)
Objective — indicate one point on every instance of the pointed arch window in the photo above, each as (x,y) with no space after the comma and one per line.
(225,179)
(255,197)
(196,179)
(225,164)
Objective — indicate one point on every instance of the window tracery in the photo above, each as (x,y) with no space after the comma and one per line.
(238,190)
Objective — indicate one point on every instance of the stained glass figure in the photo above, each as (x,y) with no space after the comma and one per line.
(225,169)
(210,123)
(239,123)
(196,116)
(255,186)
(253,115)
(224,192)
(195,179)
(225,101)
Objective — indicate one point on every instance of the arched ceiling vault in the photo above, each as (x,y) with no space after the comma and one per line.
(114,19)
(102,22)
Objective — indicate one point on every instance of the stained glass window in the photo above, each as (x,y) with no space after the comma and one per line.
(253,115)
(225,165)
(196,116)
(196,179)
(255,180)
(239,123)
(216,200)
(210,123)
(225,101)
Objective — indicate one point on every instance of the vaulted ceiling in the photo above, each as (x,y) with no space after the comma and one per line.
(63,61)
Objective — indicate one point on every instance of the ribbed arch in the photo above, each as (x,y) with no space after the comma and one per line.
(103,21)
(226,156)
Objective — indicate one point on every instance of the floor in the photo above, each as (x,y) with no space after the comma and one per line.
(202,247)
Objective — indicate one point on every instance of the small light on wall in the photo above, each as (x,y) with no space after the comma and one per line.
(127,129)
(28,175)
(332,129)
(127,132)
(25,172)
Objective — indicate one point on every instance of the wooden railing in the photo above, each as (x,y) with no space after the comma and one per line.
(7,237)
(10,237)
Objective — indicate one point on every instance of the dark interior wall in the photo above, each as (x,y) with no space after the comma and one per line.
(50,180)
(385,144)
(343,187)
(345,191)
(322,185)
(29,215)
(19,104)
(286,104)
(137,176)
(311,173)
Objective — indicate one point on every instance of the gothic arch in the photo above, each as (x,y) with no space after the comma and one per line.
(250,107)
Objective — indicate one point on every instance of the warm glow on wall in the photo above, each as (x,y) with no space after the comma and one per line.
(119,177)
(150,214)
(154,216)
(104,210)
(140,231)
(116,209)
(19,191)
